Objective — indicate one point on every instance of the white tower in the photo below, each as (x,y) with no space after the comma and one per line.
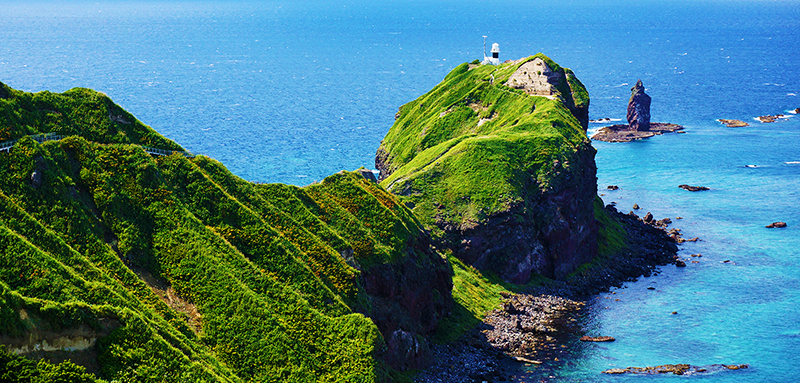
(495,58)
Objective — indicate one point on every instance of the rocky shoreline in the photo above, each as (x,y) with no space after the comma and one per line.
(536,327)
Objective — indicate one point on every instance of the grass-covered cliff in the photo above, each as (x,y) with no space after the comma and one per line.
(170,268)
(496,163)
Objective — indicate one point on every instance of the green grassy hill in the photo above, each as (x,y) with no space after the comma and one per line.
(170,268)
(496,163)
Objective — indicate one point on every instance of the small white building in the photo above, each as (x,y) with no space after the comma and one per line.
(494,59)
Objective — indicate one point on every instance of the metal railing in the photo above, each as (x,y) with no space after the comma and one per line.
(7,145)
(164,152)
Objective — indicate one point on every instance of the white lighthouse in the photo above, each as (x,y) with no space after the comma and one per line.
(494,59)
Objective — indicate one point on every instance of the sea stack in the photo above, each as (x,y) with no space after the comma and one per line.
(639,108)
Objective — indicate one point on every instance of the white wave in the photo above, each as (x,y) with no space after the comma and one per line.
(792,162)
(791,94)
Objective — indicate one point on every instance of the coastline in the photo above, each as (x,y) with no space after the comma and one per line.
(538,327)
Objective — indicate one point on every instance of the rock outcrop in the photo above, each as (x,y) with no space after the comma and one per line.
(693,188)
(733,123)
(538,78)
(639,108)
(639,125)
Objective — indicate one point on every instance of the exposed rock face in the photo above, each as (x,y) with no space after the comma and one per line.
(536,78)
(639,108)
(556,233)
(412,295)
(406,351)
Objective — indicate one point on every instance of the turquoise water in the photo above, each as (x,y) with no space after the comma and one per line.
(293,91)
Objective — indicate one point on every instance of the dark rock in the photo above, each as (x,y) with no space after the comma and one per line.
(776,225)
(651,288)
(680,263)
(406,350)
(587,338)
(636,207)
(612,187)
(5,91)
(639,108)
(367,174)
(36,179)
(693,188)
(648,217)
(625,133)
(796,111)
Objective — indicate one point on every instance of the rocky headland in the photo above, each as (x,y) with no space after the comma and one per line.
(639,125)
(208,277)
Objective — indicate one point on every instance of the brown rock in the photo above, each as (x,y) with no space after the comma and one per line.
(625,133)
(776,225)
(733,123)
(612,187)
(693,188)
(587,338)
(636,206)
(648,217)
(770,118)
(680,263)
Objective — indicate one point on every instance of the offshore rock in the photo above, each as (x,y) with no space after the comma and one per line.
(693,188)
(776,225)
(733,123)
(677,369)
(587,338)
(639,108)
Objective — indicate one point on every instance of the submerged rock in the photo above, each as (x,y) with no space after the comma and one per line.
(776,225)
(693,188)
(677,369)
(587,338)
(639,108)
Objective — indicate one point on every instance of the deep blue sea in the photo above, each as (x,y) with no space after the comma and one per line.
(292,91)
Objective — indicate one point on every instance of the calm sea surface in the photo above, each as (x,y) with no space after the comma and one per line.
(294,91)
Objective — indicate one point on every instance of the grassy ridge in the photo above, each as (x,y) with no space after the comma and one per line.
(210,277)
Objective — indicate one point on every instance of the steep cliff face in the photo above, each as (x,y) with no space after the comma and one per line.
(638,114)
(495,161)
(206,277)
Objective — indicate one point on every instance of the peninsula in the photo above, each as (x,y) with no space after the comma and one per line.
(124,258)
